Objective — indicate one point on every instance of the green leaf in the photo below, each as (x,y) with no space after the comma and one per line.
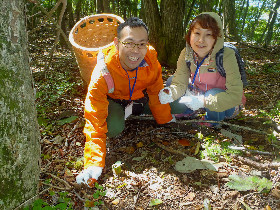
(67,120)
(249,183)
(96,195)
(52,193)
(155,202)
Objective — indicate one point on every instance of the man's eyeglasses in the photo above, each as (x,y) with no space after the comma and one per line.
(131,45)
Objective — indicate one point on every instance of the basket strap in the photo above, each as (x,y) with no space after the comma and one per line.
(105,72)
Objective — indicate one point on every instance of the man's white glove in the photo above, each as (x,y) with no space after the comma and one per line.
(193,102)
(165,96)
(91,172)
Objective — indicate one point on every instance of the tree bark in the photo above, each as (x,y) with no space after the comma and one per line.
(19,132)
(99,7)
(166,28)
(269,34)
(106,6)
(229,19)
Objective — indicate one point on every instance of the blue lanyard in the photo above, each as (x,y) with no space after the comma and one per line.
(197,68)
(131,90)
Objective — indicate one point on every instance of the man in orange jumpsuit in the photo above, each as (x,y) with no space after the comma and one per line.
(137,79)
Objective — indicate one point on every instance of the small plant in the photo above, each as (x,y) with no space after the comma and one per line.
(62,202)
(214,150)
(249,183)
(97,196)
(272,114)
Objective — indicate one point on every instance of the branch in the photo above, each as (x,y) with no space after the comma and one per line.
(209,121)
(68,187)
(257,164)
(64,2)
(176,152)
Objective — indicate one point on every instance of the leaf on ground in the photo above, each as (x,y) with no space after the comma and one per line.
(67,120)
(249,183)
(184,142)
(189,164)
(155,202)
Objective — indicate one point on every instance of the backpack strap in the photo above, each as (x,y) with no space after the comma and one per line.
(101,66)
(240,62)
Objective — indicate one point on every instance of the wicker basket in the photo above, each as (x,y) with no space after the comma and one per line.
(88,36)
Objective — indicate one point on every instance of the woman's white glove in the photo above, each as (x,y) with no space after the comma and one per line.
(193,102)
(165,96)
(91,172)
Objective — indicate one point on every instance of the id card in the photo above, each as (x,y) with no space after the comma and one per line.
(128,110)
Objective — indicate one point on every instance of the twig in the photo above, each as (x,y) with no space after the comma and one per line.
(257,164)
(61,180)
(208,121)
(80,198)
(176,152)
(64,3)
(58,188)
(70,133)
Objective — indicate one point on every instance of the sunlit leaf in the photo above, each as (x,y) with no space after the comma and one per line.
(155,202)
(67,120)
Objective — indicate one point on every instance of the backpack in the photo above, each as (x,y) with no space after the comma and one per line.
(241,64)
(220,66)
(102,67)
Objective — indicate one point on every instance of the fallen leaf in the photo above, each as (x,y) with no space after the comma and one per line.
(165,143)
(91,182)
(190,196)
(130,150)
(116,201)
(189,164)
(184,142)
(197,148)
(155,202)
(276,193)
(140,144)
(268,207)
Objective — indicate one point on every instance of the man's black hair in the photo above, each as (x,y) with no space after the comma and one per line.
(132,22)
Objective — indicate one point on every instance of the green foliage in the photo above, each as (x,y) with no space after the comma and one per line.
(272,115)
(63,203)
(155,202)
(214,150)
(97,196)
(249,183)
(67,120)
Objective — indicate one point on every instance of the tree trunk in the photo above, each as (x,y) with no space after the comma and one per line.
(206,5)
(99,7)
(244,16)
(19,132)
(271,24)
(188,13)
(166,28)
(78,10)
(106,6)
(71,21)
(172,16)
(229,19)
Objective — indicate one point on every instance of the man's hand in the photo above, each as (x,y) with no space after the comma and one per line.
(165,96)
(193,102)
(92,172)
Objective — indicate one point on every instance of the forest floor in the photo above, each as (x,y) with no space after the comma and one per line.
(247,177)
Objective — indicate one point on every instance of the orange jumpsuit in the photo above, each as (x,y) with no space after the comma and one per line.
(96,104)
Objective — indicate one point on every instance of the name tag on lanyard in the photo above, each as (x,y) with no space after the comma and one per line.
(128,108)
